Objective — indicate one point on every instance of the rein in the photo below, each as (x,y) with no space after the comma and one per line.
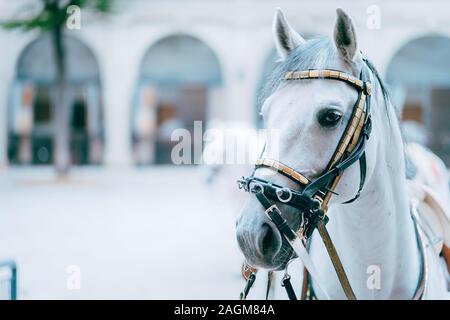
(312,201)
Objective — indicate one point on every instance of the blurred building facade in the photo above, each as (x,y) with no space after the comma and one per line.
(153,66)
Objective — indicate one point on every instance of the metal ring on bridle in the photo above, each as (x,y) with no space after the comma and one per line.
(280,193)
(257,185)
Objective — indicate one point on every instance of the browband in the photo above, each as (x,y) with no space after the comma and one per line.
(329,74)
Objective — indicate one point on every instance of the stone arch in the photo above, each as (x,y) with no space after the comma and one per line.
(419,78)
(176,76)
(32,98)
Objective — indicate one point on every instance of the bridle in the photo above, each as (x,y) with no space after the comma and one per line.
(313,197)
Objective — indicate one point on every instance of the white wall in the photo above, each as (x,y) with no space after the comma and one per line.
(239,32)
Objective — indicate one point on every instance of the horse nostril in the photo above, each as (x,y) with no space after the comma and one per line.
(268,243)
(267,238)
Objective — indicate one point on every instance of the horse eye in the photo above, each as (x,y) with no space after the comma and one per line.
(329,118)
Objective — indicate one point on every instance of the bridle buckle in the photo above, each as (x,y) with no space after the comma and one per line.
(271,209)
(319,199)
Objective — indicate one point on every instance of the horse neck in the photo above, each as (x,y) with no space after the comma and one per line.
(376,232)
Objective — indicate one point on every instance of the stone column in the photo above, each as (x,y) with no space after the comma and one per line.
(119,66)
(8,56)
(3,127)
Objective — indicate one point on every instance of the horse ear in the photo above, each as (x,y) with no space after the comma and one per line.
(345,37)
(286,38)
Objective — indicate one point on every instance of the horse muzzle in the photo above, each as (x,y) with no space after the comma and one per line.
(260,240)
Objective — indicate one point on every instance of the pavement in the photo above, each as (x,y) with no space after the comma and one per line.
(141,233)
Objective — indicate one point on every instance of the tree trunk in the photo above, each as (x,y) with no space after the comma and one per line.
(61,133)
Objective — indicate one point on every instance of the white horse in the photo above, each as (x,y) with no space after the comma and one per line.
(374,235)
